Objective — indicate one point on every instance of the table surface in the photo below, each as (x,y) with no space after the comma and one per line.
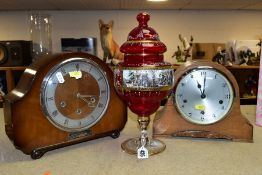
(183,156)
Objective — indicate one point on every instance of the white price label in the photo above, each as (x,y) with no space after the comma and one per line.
(60,77)
(142,153)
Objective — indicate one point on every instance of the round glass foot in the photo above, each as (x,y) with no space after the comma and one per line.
(154,146)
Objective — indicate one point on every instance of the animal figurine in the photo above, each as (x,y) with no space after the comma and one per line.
(245,57)
(222,57)
(109,46)
(187,46)
(179,55)
(186,54)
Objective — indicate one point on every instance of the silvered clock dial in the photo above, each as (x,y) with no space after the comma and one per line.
(75,94)
(203,95)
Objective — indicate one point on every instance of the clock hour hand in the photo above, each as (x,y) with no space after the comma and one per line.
(91,101)
(199,87)
(202,92)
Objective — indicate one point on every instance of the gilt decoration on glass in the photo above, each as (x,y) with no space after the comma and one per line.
(143,80)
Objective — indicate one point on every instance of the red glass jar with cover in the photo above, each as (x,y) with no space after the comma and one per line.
(143,80)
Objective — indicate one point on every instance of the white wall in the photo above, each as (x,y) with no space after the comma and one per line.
(205,26)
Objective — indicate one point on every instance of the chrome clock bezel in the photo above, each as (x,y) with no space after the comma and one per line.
(43,97)
(199,122)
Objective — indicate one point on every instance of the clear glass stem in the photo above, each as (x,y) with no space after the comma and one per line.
(153,146)
(143,123)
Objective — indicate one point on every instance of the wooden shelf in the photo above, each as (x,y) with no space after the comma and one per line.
(175,66)
(242,67)
(236,70)
(15,68)
(248,101)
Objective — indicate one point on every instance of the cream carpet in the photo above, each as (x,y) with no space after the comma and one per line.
(183,156)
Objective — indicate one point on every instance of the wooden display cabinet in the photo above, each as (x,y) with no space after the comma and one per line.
(247,78)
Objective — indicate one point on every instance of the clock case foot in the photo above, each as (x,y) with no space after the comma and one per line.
(168,123)
(37,153)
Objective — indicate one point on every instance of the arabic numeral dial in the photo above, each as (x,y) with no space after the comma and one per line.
(203,96)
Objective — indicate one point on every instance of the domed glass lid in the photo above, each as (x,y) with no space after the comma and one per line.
(143,39)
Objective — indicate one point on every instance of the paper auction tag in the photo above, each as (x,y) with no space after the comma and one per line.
(142,153)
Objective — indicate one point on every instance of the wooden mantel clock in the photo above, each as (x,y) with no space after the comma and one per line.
(60,100)
(205,104)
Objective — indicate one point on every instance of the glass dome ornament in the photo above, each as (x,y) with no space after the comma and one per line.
(143,80)
(41,34)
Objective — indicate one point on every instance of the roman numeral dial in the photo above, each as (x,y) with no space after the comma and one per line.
(75,94)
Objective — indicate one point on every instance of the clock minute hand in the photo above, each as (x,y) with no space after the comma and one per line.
(84,96)
(203,95)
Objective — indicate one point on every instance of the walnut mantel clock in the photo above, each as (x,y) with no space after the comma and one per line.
(205,103)
(61,100)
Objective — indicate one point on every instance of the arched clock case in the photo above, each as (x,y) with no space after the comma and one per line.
(205,103)
(60,100)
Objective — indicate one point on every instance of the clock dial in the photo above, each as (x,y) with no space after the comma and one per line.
(203,96)
(75,94)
